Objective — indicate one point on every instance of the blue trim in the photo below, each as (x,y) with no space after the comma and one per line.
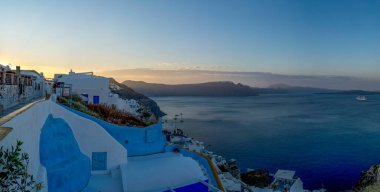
(95,99)
(198,187)
(137,141)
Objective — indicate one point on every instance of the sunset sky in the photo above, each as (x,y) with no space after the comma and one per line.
(292,37)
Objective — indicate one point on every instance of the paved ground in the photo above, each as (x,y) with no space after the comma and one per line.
(14,108)
(105,183)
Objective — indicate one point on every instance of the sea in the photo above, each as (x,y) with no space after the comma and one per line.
(328,139)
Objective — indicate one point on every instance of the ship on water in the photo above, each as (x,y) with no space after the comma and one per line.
(361,98)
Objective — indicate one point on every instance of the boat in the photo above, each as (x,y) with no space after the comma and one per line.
(361,98)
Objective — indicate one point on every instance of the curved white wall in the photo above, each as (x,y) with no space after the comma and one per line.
(91,137)
(27,127)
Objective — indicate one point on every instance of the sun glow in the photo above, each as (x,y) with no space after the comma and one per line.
(4,62)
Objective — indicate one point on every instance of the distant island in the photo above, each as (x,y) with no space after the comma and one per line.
(216,89)
(288,89)
(210,89)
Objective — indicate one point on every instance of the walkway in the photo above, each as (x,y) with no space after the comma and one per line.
(105,183)
(16,107)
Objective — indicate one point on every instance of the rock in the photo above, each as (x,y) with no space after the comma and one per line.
(369,180)
(258,178)
(127,93)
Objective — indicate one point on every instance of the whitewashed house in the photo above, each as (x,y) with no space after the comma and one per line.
(286,180)
(92,89)
(38,82)
(19,86)
(126,105)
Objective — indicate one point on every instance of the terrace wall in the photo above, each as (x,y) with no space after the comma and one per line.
(91,137)
(27,127)
(138,141)
(27,122)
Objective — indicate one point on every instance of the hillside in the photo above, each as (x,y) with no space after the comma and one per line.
(210,89)
(128,93)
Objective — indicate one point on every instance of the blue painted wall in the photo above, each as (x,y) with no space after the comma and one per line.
(138,141)
(67,168)
(198,187)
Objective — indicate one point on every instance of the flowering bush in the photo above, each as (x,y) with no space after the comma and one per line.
(102,111)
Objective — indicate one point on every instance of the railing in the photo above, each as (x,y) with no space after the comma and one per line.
(213,188)
(215,174)
(210,187)
(203,160)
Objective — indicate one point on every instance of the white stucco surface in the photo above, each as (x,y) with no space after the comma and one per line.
(159,172)
(89,135)
(27,127)
(82,83)
(129,106)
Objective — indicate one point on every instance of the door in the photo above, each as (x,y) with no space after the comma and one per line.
(95,99)
(99,161)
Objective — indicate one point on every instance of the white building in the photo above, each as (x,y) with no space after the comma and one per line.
(126,105)
(69,152)
(285,180)
(49,86)
(38,82)
(93,89)
(19,86)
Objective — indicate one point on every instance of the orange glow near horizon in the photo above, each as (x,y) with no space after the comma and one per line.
(47,70)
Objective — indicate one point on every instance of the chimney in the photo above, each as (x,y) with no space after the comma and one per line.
(18,71)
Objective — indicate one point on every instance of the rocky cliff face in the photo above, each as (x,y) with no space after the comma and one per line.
(369,180)
(127,93)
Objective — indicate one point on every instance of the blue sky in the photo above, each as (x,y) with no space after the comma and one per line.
(296,37)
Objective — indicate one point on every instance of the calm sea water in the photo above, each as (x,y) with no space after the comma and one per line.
(327,139)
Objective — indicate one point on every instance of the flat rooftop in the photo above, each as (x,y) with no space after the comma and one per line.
(285,174)
(159,172)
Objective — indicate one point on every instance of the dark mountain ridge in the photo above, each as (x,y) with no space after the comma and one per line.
(216,89)
(288,89)
(210,89)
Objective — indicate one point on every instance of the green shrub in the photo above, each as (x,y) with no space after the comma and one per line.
(47,96)
(61,99)
(14,174)
(79,106)
(76,98)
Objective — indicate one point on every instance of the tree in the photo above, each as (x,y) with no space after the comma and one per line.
(14,174)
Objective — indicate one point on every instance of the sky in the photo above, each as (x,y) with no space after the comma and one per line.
(285,37)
